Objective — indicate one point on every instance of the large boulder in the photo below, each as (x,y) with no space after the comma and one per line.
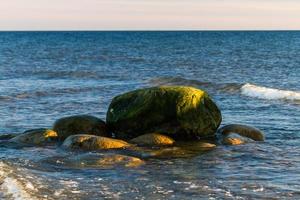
(92,142)
(39,136)
(180,112)
(80,124)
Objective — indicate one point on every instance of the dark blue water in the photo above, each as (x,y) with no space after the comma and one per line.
(252,76)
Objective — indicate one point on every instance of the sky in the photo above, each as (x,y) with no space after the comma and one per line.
(149,14)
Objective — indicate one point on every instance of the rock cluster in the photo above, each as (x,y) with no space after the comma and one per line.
(167,121)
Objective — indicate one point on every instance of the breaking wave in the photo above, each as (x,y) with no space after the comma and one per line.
(10,187)
(260,92)
(247,89)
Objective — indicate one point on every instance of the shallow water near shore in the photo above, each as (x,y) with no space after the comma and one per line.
(252,76)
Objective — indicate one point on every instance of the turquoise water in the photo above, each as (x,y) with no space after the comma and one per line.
(252,76)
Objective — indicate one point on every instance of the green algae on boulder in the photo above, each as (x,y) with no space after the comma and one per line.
(92,142)
(80,124)
(40,136)
(178,111)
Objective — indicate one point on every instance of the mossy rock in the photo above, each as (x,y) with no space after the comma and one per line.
(181,112)
(92,142)
(40,136)
(153,139)
(80,124)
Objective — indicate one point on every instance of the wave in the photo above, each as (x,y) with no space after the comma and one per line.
(246,89)
(178,81)
(10,187)
(227,87)
(77,74)
(260,92)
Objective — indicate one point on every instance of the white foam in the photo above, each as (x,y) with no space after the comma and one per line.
(10,186)
(252,90)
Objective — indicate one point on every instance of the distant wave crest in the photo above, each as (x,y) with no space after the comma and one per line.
(247,89)
(252,90)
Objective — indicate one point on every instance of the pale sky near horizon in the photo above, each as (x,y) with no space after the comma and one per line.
(149,14)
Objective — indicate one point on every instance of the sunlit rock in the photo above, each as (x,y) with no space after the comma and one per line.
(92,142)
(183,113)
(80,124)
(235,139)
(36,137)
(153,139)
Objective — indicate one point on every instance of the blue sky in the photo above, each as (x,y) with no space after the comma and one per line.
(149,14)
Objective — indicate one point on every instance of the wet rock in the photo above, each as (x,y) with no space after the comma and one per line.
(170,152)
(127,161)
(95,160)
(7,136)
(243,130)
(92,142)
(40,136)
(181,112)
(80,124)
(235,139)
(196,145)
(153,139)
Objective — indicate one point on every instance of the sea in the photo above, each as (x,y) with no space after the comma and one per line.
(253,76)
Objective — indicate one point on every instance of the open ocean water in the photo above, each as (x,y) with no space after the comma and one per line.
(252,76)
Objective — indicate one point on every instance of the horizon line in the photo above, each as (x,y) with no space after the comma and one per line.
(143,30)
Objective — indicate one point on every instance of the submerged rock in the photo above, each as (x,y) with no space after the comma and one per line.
(243,130)
(40,136)
(235,139)
(196,145)
(181,112)
(80,124)
(127,161)
(153,139)
(95,160)
(92,142)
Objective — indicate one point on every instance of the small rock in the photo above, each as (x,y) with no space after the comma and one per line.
(40,136)
(127,161)
(235,139)
(153,139)
(80,124)
(92,142)
(243,130)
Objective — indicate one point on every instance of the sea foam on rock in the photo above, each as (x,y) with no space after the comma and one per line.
(80,124)
(92,142)
(180,112)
